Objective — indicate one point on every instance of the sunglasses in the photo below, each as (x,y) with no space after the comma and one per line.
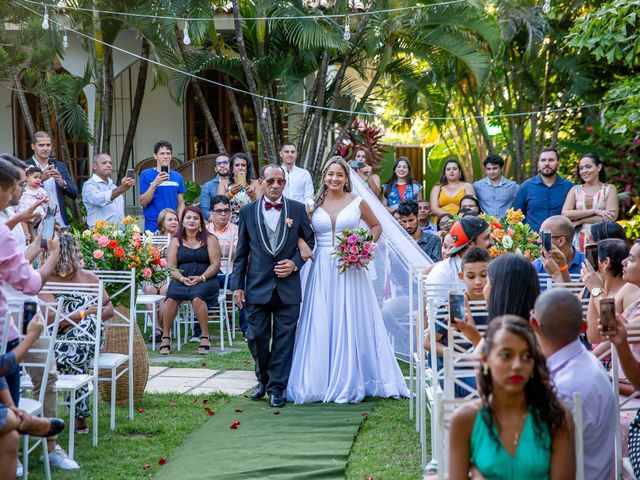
(220,211)
(278,181)
(222,162)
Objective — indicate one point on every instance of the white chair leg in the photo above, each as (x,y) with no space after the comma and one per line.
(25,458)
(130,385)
(113,399)
(221,328)
(72,423)
(45,455)
(95,411)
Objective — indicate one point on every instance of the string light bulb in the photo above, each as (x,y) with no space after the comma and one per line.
(347,29)
(185,33)
(45,19)
(546,8)
(65,39)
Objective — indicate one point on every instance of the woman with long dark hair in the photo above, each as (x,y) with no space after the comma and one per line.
(195,257)
(243,187)
(447,194)
(591,200)
(513,286)
(518,428)
(400,186)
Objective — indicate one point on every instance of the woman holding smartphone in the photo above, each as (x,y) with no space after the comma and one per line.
(243,188)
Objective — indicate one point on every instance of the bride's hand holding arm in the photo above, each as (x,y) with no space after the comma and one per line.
(370,219)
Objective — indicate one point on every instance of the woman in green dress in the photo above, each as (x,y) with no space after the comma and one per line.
(518,429)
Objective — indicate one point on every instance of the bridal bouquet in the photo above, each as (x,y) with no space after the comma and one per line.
(355,249)
(510,235)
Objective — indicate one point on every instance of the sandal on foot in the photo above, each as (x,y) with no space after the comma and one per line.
(81,429)
(165,349)
(204,349)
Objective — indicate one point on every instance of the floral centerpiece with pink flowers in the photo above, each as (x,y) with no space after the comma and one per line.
(510,235)
(121,248)
(355,249)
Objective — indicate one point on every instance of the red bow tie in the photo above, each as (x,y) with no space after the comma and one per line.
(268,206)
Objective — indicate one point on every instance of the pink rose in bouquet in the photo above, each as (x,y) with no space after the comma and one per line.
(98,254)
(103,241)
(354,249)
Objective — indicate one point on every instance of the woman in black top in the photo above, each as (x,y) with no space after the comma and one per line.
(195,257)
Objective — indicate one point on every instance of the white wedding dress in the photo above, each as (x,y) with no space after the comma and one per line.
(342,353)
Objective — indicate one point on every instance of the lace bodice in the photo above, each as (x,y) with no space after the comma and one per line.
(347,218)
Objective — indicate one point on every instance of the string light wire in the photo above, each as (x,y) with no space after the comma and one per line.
(319,107)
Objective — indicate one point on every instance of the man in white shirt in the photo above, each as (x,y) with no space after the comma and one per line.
(299,185)
(100,195)
(557,321)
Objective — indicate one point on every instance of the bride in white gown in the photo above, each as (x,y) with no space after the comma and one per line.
(342,353)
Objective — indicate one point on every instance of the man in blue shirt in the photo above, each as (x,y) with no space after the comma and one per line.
(495,193)
(542,196)
(158,189)
(562,233)
(210,189)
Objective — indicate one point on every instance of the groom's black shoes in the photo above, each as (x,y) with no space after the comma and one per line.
(259,392)
(276,401)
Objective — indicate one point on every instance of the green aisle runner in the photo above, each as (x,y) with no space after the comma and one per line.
(302,442)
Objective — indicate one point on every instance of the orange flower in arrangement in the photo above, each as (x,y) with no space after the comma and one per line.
(512,236)
(119,252)
(514,217)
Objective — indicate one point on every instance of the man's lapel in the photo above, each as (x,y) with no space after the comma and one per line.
(283,228)
(262,231)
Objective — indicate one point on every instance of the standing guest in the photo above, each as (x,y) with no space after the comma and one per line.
(448,192)
(470,204)
(72,357)
(518,428)
(158,189)
(195,258)
(32,193)
(227,235)
(424,217)
(400,186)
(103,199)
(216,186)
(591,200)
(543,196)
(562,232)
(243,188)
(372,180)
(408,219)
(56,178)
(557,321)
(495,192)
(299,185)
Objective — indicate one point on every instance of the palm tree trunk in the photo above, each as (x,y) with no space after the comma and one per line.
(22,101)
(98,72)
(107,101)
(138,98)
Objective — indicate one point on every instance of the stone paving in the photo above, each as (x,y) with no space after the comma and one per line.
(198,381)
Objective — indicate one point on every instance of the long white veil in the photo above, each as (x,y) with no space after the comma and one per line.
(395,272)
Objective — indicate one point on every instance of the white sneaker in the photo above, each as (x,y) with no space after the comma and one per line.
(19,469)
(194,339)
(59,458)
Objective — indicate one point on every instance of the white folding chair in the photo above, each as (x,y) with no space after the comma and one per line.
(35,407)
(72,383)
(111,361)
(160,241)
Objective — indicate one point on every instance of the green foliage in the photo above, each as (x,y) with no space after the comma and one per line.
(623,116)
(192,193)
(631,227)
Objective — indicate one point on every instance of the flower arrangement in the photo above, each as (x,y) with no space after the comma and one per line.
(355,249)
(510,235)
(120,248)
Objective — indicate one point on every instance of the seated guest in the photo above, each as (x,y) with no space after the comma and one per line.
(408,219)
(14,422)
(474,276)
(168,222)
(562,233)
(518,428)
(74,358)
(195,258)
(424,217)
(557,321)
(512,288)
(470,203)
(445,222)
(227,235)
(605,282)
(447,244)
(603,230)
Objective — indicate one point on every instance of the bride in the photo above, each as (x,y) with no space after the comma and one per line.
(342,353)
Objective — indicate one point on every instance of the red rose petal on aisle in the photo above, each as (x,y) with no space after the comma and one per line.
(365,414)
(140,410)
(195,400)
(236,423)
(238,410)
(162,461)
(146,466)
(209,411)
(368,478)
(277,412)
(247,362)
(233,426)
(172,404)
(205,401)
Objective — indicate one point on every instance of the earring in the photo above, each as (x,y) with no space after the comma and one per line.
(485,369)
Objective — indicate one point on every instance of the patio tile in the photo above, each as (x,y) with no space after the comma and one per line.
(238,375)
(153,371)
(201,373)
(174,382)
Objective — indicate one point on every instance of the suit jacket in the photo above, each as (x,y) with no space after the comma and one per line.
(70,189)
(254,261)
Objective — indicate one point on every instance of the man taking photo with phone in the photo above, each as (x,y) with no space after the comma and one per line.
(160,187)
(56,179)
(100,195)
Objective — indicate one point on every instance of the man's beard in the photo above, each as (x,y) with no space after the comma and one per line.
(224,174)
(553,172)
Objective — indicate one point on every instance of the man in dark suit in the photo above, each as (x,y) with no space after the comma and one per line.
(268,261)
(56,179)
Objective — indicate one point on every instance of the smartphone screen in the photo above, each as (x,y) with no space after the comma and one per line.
(164,169)
(591,252)
(242,178)
(130,173)
(456,306)
(51,162)
(48,225)
(608,316)
(546,240)
(29,311)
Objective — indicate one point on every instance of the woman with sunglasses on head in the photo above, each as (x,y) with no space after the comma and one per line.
(517,429)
